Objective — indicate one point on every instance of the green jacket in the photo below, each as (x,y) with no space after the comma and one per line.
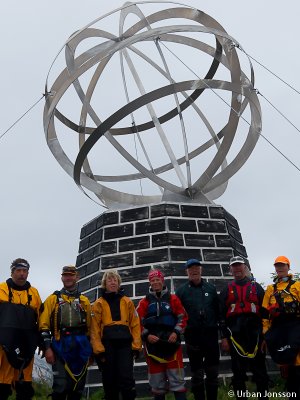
(201,304)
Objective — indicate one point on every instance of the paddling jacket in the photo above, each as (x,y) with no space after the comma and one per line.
(114,318)
(281,303)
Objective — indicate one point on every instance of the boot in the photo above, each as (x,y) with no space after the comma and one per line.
(58,396)
(5,391)
(211,392)
(198,392)
(239,388)
(128,394)
(180,395)
(24,390)
(74,396)
(159,397)
(262,389)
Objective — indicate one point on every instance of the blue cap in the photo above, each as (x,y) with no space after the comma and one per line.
(191,262)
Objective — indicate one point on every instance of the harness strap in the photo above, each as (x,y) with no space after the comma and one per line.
(277,293)
(76,378)
(160,360)
(241,352)
(10,295)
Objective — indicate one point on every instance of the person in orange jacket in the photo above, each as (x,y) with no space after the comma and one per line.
(281,323)
(19,310)
(163,320)
(115,338)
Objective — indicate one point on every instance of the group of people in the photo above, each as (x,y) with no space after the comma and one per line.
(73,334)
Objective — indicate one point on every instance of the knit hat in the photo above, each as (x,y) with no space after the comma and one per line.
(19,263)
(155,273)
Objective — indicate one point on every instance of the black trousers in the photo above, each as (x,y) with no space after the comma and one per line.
(241,365)
(204,360)
(117,371)
(24,390)
(64,387)
(293,380)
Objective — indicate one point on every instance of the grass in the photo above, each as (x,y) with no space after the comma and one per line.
(42,391)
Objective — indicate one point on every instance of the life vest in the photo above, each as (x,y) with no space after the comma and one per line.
(283,307)
(160,321)
(242,299)
(70,317)
(18,331)
(159,313)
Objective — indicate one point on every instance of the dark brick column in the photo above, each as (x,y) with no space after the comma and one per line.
(161,235)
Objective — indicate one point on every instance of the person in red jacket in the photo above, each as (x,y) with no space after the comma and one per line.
(241,328)
(163,320)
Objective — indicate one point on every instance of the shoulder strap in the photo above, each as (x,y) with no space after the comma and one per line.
(291,282)
(251,288)
(29,297)
(233,287)
(57,294)
(10,295)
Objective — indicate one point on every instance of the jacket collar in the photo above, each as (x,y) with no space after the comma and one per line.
(12,285)
(159,295)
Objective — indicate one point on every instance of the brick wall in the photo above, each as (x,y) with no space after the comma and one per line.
(161,235)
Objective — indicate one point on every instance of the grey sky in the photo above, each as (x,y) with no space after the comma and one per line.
(42,210)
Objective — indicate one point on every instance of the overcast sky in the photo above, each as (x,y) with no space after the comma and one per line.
(42,210)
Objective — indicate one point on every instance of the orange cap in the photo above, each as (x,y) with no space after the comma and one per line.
(282,259)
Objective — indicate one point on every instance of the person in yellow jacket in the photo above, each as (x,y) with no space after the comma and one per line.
(64,327)
(281,323)
(115,338)
(19,311)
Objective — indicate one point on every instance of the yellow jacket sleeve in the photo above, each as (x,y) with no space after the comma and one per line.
(266,304)
(46,314)
(135,328)
(96,328)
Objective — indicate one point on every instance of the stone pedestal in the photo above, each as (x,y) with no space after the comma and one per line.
(160,235)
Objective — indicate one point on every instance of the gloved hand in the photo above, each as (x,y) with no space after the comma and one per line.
(136,354)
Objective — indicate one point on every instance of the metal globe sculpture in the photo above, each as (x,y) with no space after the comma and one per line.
(146,93)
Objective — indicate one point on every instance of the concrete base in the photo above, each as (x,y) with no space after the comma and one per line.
(161,236)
